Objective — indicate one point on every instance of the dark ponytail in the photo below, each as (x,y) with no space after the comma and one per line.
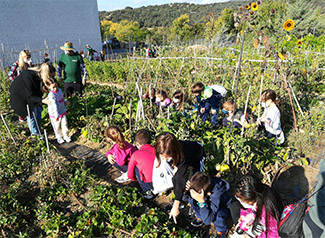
(252,189)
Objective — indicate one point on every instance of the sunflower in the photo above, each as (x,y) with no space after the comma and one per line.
(247,7)
(254,6)
(289,25)
(272,11)
(299,42)
(259,2)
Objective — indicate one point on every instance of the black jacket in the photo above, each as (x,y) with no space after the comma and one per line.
(26,89)
(189,165)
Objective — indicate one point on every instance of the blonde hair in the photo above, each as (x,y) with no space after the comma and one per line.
(23,55)
(229,106)
(45,71)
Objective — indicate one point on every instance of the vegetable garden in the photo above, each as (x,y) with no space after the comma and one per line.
(44,194)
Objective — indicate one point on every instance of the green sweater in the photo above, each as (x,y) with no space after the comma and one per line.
(71,64)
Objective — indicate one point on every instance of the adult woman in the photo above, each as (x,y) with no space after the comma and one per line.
(24,62)
(26,94)
(186,158)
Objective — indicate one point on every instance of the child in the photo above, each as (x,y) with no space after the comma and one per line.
(234,114)
(162,98)
(120,153)
(46,58)
(57,111)
(208,100)
(178,100)
(151,94)
(210,199)
(270,122)
(260,210)
(141,163)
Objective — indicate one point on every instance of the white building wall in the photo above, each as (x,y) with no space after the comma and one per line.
(27,24)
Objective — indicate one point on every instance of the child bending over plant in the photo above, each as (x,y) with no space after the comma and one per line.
(233,114)
(260,210)
(210,199)
(120,153)
(209,100)
(57,111)
(162,98)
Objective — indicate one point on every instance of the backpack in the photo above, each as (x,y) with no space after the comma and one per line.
(220,89)
(162,177)
(292,217)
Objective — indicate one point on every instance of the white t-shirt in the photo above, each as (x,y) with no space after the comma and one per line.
(273,124)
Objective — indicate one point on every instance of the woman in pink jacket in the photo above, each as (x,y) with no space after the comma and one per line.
(120,153)
(141,164)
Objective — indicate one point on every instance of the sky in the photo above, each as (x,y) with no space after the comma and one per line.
(111,5)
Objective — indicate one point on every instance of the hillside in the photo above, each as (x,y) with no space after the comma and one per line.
(163,15)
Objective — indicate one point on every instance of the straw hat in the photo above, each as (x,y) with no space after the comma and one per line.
(67,46)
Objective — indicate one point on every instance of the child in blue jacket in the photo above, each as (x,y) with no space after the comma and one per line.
(210,199)
(208,100)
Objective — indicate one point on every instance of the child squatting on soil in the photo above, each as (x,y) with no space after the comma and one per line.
(233,114)
(208,100)
(260,211)
(210,199)
(57,111)
(270,122)
(120,153)
(162,98)
(142,161)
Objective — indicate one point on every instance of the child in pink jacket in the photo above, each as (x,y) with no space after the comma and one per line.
(141,164)
(120,153)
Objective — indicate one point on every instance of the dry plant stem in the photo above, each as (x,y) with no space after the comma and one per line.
(4,121)
(121,230)
(153,127)
(290,98)
(130,113)
(3,233)
(246,105)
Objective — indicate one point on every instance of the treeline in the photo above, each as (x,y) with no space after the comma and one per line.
(164,15)
(257,18)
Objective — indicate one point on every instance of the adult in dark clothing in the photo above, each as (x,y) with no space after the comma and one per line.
(27,89)
(73,66)
(186,158)
(210,200)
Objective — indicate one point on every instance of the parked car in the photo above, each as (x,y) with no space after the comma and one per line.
(114,43)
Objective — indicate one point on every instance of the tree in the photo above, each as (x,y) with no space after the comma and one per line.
(181,28)
(129,30)
(307,18)
(108,29)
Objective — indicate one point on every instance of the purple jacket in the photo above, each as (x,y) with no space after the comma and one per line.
(122,156)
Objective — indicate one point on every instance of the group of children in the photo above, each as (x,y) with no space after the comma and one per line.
(208,104)
(255,207)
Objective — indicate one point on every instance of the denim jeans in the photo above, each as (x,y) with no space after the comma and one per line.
(34,121)
(144,186)
(123,168)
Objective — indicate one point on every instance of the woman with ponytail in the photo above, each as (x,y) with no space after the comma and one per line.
(260,210)
(120,153)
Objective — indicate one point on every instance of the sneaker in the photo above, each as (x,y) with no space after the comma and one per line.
(148,194)
(60,141)
(197,222)
(221,235)
(123,178)
(67,139)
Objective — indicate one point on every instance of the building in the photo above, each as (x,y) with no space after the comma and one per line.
(44,25)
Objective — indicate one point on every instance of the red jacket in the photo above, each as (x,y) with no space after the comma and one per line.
(143,159)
